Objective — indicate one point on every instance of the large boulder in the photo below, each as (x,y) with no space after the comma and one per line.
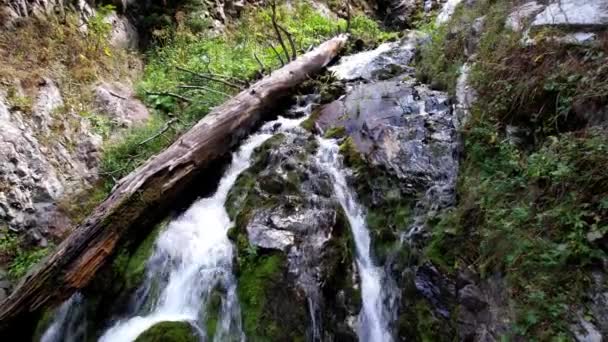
(293,244)
(118,102)
(574,13)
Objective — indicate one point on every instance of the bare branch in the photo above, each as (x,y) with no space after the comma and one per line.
(262,67)
(294,53)
(348,14)
(161,132)
(277,54)
(273,6)
(185,99)
(203,88)
(210,78)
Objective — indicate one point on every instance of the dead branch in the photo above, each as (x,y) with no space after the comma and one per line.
(262,67)
(294,53)
(196,87)
(277,54)
(210,78)
(277,31)
(161,132)
(163,93)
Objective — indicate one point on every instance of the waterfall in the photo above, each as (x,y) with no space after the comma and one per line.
(195,256)
(373,322)
(69,324)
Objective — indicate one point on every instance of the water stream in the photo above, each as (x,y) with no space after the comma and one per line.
(69,324)
(373,322)
(195,255)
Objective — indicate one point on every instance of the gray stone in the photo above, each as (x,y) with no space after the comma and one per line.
(521,15)
(588,13)
(41,160)
(118,102)
(388,60)
(124,34)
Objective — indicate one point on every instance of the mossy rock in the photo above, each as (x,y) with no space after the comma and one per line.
(169,332)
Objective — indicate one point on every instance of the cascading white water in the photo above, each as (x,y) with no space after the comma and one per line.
(196,255)
(69,324)
(373,322)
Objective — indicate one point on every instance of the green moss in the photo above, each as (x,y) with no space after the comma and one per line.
(169,332)
(335,132)
(310,122)
(269,310)
(212,313)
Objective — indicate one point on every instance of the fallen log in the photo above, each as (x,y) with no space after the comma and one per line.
(146,194)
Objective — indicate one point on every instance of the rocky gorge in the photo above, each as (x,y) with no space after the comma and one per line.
(442,183)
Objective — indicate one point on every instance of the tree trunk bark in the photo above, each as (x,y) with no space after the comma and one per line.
(146,195)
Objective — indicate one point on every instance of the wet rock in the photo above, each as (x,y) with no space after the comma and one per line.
(398,125)
(484,313)
(447,11)
(574,13)
(386,61)
(437,289)
(283,204)
(118,102)
(400,13)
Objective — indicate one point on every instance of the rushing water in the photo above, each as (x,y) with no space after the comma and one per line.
(373,322)
(196,255)
(69,324)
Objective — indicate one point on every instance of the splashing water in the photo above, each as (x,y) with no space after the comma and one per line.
(195,256)
(373,324)
(69,324)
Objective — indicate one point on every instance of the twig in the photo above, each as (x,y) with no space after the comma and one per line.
(348,16)
(185,99)
(117,95)
(294,53)
(203,88)
(277,54)
(209,77)
(159,133)
(273,6)
(262,67)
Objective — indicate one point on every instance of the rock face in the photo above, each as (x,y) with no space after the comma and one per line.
(405,135)
(118,103)
(284,211)
(42,157)
(582,13)
(123,35)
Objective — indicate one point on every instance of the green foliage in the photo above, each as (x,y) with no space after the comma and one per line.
(536,217)
(99,29)
(440,60)
(19,255)
(335,132)
(24,260)
(169,332)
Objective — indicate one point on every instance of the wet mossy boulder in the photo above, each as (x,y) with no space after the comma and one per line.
(294,246)
(170,332)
